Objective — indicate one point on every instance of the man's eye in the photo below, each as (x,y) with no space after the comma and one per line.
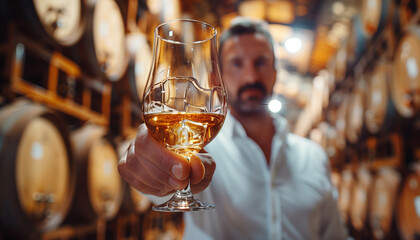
(261,63)
(236,64)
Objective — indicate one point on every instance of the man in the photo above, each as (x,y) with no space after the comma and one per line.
(269,183)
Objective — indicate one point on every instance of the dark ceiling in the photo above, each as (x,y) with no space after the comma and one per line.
(308,15)
(315,18)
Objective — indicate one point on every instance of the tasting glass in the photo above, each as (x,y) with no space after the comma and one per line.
(184,103)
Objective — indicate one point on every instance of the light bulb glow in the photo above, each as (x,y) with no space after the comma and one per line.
(293,44)
(275,106)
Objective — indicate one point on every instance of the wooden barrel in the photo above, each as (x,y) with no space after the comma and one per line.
(382,202)
(340,123)
(408,207)
(404,13)
(133,201)
(315,103)
(379,107)
(319,134)
(132,10)
(336,179)
(357,40)
(341,62)
(344,199)
(138,70)
(102,51)
(374,15)
(336,139)
(140,202)
(336,156)
(165,10)
(405,83)
(54,22)
(158,225)
(99,188)
(36,169)
(325,81)
(329,74)
(359,198)
(355,110)
(6,17)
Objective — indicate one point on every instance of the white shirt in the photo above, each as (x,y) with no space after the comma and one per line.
(290,199)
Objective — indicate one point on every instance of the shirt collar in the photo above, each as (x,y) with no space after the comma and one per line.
(233,128)
(231,125)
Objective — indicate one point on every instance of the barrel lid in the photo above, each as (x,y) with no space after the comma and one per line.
(340,123)
(357,39)
(157,225)
(344,199)
(405,83)
(109,39)
(62,21)
(355,112)
(104,182)
(359,198)
(141,202)
(142,56)
(376,98)
(42,170)
(341,61)
(381,210)
(373,13)
(408,209)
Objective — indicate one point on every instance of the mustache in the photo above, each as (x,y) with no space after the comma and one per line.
(256,85)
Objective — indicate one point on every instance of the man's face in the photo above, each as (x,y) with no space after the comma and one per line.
(248,72)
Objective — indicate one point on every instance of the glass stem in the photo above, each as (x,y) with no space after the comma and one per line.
(183,200)
(186,192)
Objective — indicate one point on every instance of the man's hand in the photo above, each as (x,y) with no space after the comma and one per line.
(152,169)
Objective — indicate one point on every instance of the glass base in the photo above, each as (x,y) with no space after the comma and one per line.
(182,201)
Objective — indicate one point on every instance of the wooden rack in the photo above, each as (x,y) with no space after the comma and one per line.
(66,232)
(126,116)
(18,47)
(131,223)
(377,159)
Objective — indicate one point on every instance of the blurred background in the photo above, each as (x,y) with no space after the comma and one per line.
(72,75)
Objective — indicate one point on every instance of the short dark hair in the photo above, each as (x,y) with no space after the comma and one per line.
(242,25)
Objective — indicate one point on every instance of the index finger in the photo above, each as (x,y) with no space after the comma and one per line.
(170,162)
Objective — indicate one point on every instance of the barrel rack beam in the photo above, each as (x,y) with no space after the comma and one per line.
(19,45)
(71,231)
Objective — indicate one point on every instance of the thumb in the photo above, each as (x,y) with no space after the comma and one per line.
(197,170)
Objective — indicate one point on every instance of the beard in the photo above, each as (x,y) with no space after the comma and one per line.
(253,104)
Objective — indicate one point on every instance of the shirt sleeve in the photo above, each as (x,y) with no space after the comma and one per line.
(332,223)
(333,226)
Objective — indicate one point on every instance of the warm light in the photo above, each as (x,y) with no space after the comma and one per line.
(318,83)
(274,106)
(184,204)
(338,8)
(154,6)
(293,44)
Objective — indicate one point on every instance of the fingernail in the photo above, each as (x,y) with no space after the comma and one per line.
(173,183)
(177,171)
(204,173)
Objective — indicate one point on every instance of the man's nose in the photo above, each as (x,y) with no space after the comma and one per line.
(251,74)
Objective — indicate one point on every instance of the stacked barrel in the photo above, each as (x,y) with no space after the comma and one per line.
(72,75)
(370,126)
